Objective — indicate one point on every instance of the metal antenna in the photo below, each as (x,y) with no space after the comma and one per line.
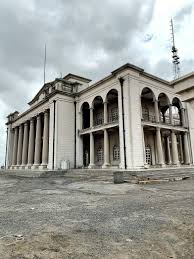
(44,63)
(175,57)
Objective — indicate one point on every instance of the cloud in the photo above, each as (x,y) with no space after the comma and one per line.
(87,37)
(185,11)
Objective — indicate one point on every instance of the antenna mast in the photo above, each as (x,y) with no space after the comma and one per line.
(175,57)
(44,62)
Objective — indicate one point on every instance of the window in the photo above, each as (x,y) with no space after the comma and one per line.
(114,114)
(99,119)
(116,153)
(148,155)
(145,112)
(100,154)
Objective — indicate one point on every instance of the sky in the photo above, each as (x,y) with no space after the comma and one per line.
(90,38)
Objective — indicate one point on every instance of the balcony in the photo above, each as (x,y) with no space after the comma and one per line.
(113,118)
(163,120)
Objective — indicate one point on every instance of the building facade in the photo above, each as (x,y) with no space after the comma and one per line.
(129,120)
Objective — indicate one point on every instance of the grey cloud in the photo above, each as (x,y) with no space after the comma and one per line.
(187,10)
(75,32)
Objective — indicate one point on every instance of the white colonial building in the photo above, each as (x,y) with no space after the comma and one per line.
(129,119)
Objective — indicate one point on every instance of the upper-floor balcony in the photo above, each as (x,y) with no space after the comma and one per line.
(165,120)
(99,122)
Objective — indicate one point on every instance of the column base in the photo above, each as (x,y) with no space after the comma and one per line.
(105,165)
(162,165)
(28,166)
(43,166)
(35,166)
(91,166)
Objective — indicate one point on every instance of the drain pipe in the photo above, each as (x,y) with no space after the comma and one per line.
(121,80)
(54,115)
(75,126)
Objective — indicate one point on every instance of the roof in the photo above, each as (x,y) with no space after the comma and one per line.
(83,79)
(182,78)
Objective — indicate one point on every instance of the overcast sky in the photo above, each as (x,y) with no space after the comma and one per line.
(86,37)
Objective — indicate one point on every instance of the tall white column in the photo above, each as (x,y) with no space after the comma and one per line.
(81,120)
(45,147)
(181,148)
(105,112)
(170,114)
(186,149)
(31,143)
(106,150)
(183,121)
(159,147)
(157,115)
(25,144)
(20,144)
(91,165)
(38,140)
(15,146)
(168,150)
(175,159)
(91,117)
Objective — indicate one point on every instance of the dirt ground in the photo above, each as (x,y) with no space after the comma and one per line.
(56,218)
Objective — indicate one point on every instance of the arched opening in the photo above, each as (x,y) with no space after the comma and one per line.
(100,154)
(147,104)
(98,111)
(176,112)
(85,115)
(163,107)
(148,155)
(112,106)
(116,153)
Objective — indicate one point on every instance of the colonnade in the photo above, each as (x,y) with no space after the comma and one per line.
(106,150)
(172,153)
(157,114)
(31,142)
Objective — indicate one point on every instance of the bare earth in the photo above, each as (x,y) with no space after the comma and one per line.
(59,217)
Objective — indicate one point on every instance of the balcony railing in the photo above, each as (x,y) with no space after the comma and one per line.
(151,118)
(147,117)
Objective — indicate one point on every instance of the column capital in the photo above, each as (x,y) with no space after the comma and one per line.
(38,117)
(25,123)
(32,119)
(92,108)
(105,102)
(158,128)
(46,111)
(20,126)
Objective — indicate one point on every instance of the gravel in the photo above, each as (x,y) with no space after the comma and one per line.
(62,218)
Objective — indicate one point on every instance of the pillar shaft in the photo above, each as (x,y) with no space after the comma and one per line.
(20,144)
(25,145)
(183,120)
(170,114)
(38,140)
(91,117)
(168,150)
(15,147)
(181,148)
(105,112)
(159,147)
(31,143)
(186,149)
(175,159)
(91,165)
(106,150)
(156,111)
(45,146)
